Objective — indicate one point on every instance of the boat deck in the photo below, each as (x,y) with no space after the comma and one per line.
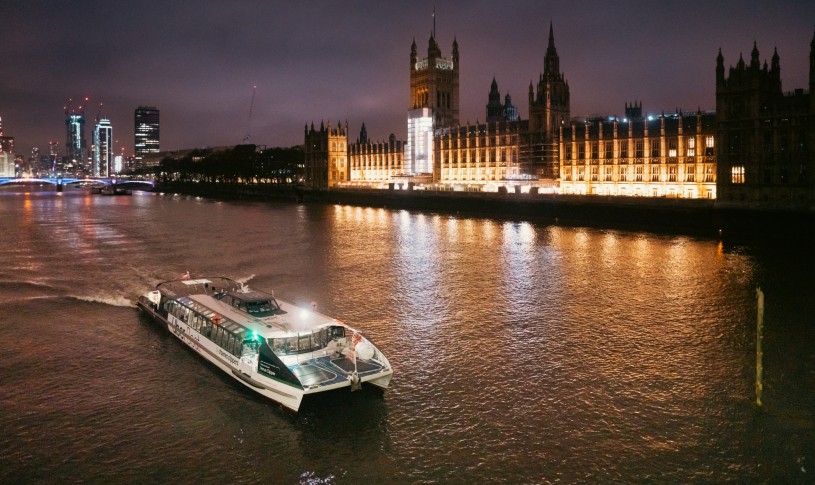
(198,286)
(325,371)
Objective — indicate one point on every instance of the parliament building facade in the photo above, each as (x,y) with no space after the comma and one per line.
(757,149)
(653,156)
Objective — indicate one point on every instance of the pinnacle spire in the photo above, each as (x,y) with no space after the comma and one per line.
(551,35)
(551,62)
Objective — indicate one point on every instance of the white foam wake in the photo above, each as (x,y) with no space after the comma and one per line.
(247,279)
(113,301)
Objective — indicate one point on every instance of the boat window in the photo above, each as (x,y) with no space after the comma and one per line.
(337,332)
(249,347)
(262,306)
(285,346)
(320,338)
(303,343)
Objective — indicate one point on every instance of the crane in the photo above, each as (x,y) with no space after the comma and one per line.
(249,121)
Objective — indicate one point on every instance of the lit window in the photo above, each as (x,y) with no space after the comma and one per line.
(737,174)
(709,143)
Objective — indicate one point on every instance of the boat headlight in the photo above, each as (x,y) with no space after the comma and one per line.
(304,314)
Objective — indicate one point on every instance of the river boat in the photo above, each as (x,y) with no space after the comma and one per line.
(113,190)
(275,348)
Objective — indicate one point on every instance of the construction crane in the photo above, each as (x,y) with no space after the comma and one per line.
(249,121)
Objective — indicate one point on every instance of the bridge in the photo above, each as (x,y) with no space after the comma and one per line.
(87,181)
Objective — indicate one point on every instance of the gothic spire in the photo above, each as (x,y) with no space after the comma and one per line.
(719,68)
(551,63)
(754,62)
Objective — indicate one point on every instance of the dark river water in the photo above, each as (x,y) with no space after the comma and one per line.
(522,353)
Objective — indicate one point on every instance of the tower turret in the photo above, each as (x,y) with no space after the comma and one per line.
(434,83)
(719,69)
(494,107)
(551,63)
(754,62)
(363,134)
(548,109)
(455,53)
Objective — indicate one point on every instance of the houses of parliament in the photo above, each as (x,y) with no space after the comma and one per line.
(756,150)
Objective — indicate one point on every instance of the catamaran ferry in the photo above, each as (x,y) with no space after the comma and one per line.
(275,348)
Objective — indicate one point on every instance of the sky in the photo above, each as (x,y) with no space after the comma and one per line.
(348,61)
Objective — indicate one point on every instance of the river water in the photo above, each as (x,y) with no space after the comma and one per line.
(522,353)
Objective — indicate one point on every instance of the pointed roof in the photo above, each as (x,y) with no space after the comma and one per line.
(551,62)
(550,49)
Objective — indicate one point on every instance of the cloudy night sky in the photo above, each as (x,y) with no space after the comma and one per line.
(197,61)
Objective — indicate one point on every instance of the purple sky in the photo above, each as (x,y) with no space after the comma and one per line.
(349,60)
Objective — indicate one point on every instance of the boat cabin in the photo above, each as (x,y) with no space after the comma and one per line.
(255,303)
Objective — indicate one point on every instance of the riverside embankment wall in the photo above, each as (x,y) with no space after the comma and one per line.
(700,217)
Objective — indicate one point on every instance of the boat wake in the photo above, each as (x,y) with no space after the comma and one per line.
(119,301)
(247,279)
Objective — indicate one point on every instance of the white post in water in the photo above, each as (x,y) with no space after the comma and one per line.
(759,352)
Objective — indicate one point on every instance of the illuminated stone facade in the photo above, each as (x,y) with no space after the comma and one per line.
(434,83)
(767,137)
(484,155)
(375,164)
(549,109)
(501,152)
(326,156)
(654,156)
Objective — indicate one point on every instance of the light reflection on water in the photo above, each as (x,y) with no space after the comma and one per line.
(522,353)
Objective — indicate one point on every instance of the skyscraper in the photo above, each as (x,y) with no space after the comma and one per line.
(6,154)
(6,142)
(102,150)
(146,132)
(76,146)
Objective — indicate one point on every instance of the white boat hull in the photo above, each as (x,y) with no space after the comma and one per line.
(245,371)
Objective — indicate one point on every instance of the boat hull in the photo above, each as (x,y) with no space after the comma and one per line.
(246,373)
